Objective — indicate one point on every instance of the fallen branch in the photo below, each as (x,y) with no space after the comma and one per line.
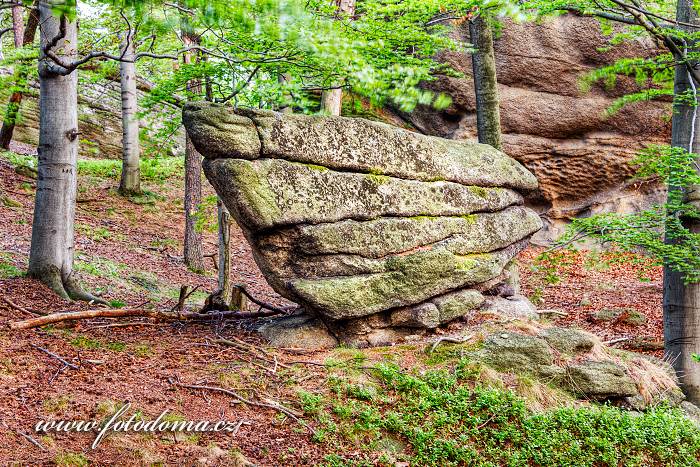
(57,357)
(31,440)
(552,312)
(616,341)
(235,395)
(453,340)
(122,325)
(124,312)
(21,308)
(26,436)
(184,295)
(260,303)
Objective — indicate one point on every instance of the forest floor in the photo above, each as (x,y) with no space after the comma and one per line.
(130,252)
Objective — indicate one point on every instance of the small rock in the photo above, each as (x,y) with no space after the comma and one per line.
(516,306)
(607,314)
(626,315)
(511,351)
(673,398)
(381,337)
(600,380)
(691,410)
(635,318)
(568,341)
(301,331)
(425,315)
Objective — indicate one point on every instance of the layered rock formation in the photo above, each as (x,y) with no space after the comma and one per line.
(561,133)
(99,120)
(371,228)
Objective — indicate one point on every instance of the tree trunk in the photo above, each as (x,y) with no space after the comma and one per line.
(130,181)
(485,85)
(681,300)
(17,26)
(224,251)
(332,99)
(52,249)
(194,258)
(12,109)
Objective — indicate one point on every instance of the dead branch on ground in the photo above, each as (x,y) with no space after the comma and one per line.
(270,404)
(131,312)
(57,357)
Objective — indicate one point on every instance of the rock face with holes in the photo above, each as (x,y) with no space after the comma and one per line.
(562,132)
(371,228)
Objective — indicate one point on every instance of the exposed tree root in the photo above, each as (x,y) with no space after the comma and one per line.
(75,292)
(67,288)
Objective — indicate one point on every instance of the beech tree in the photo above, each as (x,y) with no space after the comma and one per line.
(332,99)
(22,72)
(194,257)
(682,292)
(488,116)
(52,249)
(131,150)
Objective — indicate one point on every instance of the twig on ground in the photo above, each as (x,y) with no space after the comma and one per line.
(22,309)
(57,357)
(251,349)
(242,399)
(31,440)
(486,422)
(616,341)
(260,303)
(123,325)
(454,340)
(552,312)
(26,436)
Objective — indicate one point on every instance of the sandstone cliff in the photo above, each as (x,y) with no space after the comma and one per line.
(99,121)
(560,133)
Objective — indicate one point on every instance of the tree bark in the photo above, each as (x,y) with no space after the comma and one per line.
(52,248)
(130,180)
(488,116)
(332,99)
(12,109)
(681,300)
(224,251)
(194,258)
(17,26)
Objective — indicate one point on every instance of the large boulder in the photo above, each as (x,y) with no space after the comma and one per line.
(355,219)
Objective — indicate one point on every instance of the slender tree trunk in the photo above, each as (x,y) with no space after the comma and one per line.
(332,99)
(284,78)
(130,181)
(52,249)
(12,109)
(194,258)
(485,85)
(681,300)
(17,26)
(224,251)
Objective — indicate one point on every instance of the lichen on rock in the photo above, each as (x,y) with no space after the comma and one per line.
(374,230)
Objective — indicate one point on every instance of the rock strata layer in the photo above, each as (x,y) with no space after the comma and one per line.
(373,229)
